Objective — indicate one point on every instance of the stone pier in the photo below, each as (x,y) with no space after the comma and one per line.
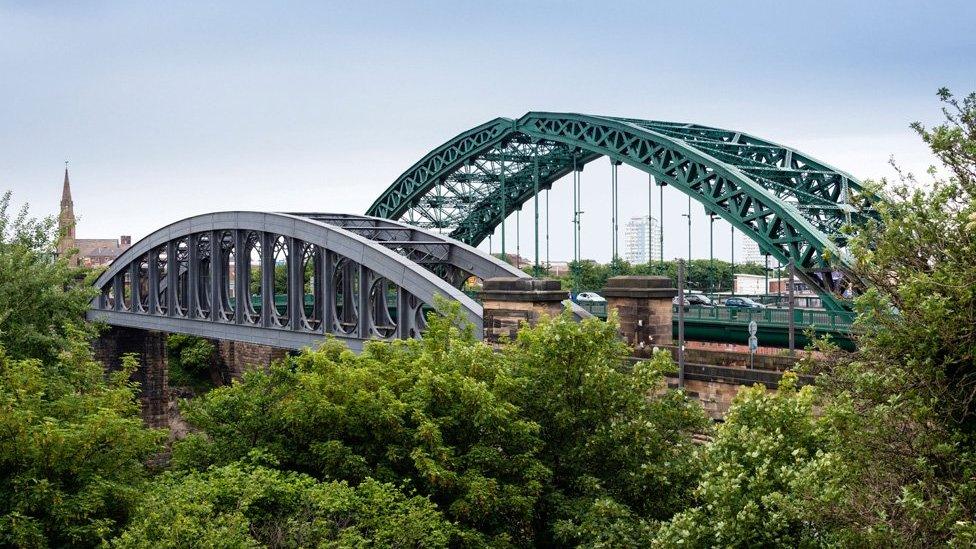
(236,357)
(508,301)
(643,306)
(149,347)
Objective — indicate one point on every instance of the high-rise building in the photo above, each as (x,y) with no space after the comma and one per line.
(642,239)
(92,252)
(751,253)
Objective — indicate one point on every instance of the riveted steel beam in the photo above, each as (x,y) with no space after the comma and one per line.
(793,205)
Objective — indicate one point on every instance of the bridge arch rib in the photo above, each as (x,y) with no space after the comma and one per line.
(186,277)
(792,205)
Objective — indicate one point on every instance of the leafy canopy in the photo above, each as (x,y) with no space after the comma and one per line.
(516,448)
(42,298)
(72,449)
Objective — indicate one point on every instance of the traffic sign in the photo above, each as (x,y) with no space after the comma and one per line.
(753,327)
(753,343)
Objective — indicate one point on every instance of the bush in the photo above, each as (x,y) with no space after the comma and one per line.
(244,504)
(505,444)
(71,451)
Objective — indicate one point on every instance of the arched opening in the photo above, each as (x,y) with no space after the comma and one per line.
(346,296)
(226,301)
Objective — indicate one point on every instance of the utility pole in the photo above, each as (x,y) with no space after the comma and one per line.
(681,323)
(689,232)
(503,208)
(547,229)
(614,198)
(790,297)
(660,233)
(518,237)
(650,218)
(766,272)
(733,260)
(535,188)
(711,252)
(575,211)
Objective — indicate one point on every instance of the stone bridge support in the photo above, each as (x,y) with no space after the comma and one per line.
(236,357)
(643,306)
(149,347)
(508,301)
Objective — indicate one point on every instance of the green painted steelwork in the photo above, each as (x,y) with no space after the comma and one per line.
(792,205)
(730,325)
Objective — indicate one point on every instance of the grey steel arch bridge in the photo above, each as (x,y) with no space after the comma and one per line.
(312,274)
(792,205)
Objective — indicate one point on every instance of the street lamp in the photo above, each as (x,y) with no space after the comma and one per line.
(688,215)
(711,252)
(733,259)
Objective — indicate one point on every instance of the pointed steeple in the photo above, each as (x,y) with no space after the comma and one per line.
(66,190)
(66,219)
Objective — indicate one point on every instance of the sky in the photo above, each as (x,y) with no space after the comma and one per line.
(167,110)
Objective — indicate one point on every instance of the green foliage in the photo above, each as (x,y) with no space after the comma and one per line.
(191,361)
(702,274)
(42,298)
(766,476)
(414,412)
(247,505)
(606,441)
(505,444)
(71,451)
(903,405)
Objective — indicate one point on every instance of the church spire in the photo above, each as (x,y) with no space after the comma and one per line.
(66,219)
(66,190)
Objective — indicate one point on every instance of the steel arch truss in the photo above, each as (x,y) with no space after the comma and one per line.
(793,206)
(449,259)
(298,279)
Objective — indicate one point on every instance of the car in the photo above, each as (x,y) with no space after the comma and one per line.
(743,303)
(589,296)
(677,301)
(699,300)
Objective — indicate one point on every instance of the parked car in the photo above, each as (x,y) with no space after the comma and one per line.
(589,296)
(699,300)
(743,303)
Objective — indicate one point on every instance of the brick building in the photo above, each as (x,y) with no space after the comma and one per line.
(92,252)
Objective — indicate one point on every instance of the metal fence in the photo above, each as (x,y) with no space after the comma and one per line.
(802,318)
(821,318)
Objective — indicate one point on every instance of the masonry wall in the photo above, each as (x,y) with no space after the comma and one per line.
(236,357)
(149,347)
(507,302)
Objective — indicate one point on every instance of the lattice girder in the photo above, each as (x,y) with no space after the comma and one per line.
(791,204)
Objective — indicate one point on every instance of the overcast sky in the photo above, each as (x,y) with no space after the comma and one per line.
(169,109)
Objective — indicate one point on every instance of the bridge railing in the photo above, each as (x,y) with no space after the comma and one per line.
(819,318)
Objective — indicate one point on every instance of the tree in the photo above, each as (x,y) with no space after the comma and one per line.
(620,458)
(537,444)
(72,448)
(42,298)
(245,504)
(417,413)
(191,361)
(766,476)
(702,274)
(903,405)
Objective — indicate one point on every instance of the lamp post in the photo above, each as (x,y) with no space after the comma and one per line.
(733,259)
(660,233)
(766,272)
(711,253)
(689,231)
